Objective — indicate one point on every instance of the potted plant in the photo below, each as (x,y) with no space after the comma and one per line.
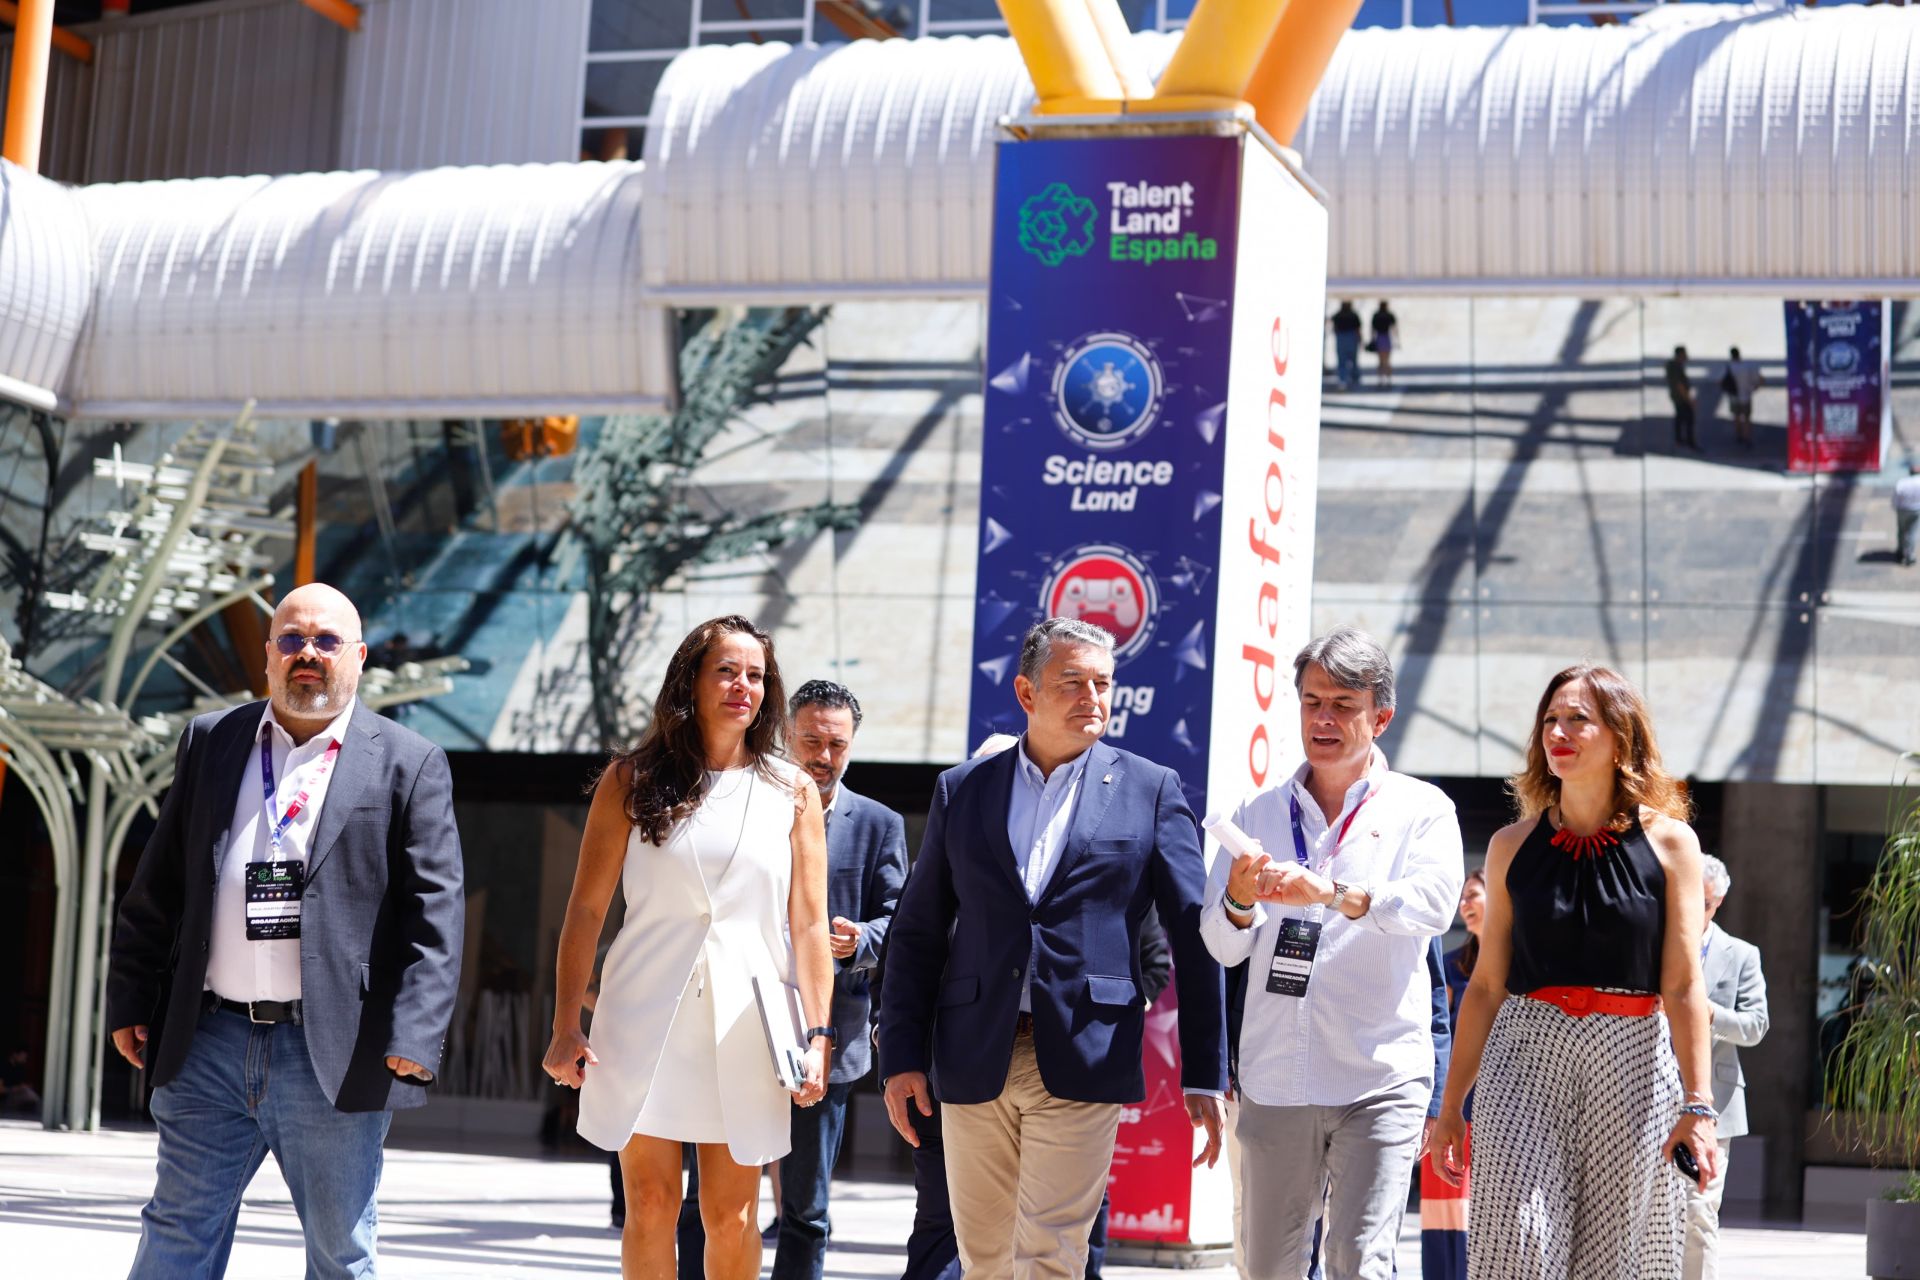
(1875,1071)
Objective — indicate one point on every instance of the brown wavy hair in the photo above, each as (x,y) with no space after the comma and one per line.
(666,772)
(1638,776)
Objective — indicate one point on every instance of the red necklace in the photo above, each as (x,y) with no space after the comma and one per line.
(1592,846)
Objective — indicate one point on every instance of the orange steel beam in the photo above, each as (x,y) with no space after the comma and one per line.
(1220,48)
(306,520)
(1296,57)
(247,632)
(27,85)
(1063,51)
(343,12)
(79,48)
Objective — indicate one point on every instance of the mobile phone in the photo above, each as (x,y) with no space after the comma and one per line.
(1683,1161)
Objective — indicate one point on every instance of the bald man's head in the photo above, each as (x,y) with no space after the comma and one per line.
(311,685)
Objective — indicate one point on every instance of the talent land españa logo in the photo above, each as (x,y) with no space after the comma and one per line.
(1057,224)
(1109,587)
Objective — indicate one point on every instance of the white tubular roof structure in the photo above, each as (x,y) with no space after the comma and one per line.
(1703,148)
(467,292)
(46,285)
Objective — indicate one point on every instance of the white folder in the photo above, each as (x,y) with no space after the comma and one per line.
(782,1020)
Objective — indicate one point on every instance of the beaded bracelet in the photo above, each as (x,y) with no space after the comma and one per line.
(1700,1109)
(1235,905)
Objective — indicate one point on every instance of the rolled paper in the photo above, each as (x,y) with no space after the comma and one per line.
(1231,838)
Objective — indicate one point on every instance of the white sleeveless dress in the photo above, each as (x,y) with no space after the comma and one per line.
(681,1051)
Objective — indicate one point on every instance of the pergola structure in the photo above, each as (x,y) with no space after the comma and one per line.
(187,543)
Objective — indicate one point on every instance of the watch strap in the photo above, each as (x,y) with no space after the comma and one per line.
(833,1037)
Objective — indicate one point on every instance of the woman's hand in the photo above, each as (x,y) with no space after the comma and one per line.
(1697,1134)
(564,1057)
(1447,1144)
(814,1087)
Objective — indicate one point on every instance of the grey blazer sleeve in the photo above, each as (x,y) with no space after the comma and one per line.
(1745,1024)
(427,878)
(883,890)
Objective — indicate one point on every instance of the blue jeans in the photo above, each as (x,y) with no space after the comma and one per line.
(243,1091)
(1346,354)
(806,1173)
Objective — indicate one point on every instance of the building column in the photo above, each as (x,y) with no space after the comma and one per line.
(1770,841)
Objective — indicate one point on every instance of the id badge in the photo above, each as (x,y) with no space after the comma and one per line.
(1293,957)
(273,900)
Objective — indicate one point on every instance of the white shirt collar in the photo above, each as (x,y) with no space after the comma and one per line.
(1372,778)
(336,730)
(1031,771)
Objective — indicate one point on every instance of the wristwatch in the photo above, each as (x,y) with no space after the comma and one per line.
(833,1037)
(1339,895)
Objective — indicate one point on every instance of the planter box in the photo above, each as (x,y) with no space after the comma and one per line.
(1893,1239)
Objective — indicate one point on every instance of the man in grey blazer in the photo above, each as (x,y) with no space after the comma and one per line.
(1737,996)
(285,962)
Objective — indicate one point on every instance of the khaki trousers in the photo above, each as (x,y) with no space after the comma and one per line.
(1025,1173)
(1702,1260)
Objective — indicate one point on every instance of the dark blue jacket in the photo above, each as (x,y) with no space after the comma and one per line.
(866,865)
(965,932)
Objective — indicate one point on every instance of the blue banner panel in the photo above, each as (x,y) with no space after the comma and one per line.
(1107,369)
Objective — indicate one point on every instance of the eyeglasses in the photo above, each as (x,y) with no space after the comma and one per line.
(326,644)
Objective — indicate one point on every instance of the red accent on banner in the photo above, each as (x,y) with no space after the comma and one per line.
(1151,1184)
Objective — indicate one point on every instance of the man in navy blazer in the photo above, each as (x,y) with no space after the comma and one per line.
(1012,970)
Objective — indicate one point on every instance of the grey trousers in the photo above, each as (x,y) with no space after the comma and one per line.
(1359,1157)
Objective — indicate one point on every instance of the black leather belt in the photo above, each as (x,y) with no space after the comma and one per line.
(263,1012)
(1023,1025)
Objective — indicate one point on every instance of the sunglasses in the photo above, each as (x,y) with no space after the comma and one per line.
(326,644)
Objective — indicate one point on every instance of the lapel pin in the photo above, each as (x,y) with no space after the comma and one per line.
(1108,778)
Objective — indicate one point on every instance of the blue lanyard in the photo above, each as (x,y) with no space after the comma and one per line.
(277,827)
(1300,834)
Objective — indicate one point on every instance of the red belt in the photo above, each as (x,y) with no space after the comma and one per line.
(1578,1002)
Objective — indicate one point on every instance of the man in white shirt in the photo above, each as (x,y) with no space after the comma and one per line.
(285,961)
(1906,512)
(1336,1050)
(1742,379)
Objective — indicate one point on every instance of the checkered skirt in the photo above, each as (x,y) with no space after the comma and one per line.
(1569,1117)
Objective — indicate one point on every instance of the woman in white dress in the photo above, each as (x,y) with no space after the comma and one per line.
(720,849)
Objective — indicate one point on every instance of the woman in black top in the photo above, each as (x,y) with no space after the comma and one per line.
(1594,917)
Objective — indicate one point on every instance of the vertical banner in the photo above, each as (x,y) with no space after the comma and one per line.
(1836,385)
(1148,465)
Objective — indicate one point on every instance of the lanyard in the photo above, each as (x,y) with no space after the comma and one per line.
(1300,835)
(277,827)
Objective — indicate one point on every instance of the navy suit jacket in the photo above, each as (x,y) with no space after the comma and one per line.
(866,865)
(965,932)
(383,919)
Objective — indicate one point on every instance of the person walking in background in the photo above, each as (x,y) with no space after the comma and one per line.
(1741,379)
(1012,967)
(866,865)
(1737,1009)
(1336,1057)
(1386,336)
(1346,345)
(1444,1207)
(720,850)
(1594,922)
(1906,513)
(285,962)
(1680,391)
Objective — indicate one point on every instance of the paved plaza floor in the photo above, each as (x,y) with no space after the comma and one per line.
(70,1206)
